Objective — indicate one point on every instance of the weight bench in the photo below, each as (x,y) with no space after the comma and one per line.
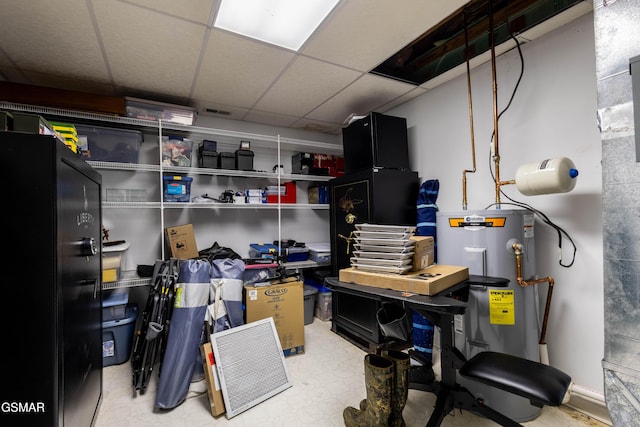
(541,384)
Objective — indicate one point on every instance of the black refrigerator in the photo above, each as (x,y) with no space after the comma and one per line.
(51,316)
(374,196)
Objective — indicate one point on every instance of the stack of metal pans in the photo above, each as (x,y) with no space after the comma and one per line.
(383,248)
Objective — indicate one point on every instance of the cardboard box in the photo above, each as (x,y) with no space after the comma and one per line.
(423,253)
(182,241)
(428,281)
(214,391)
(283,302)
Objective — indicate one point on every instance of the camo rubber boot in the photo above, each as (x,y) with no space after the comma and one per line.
(378,375)
(400,391)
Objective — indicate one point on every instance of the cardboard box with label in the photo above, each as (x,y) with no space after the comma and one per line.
(428,281)
(284,302)
(182,241)
(214,391)
(423,252)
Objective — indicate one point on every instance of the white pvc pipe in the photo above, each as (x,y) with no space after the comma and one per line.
(587,394)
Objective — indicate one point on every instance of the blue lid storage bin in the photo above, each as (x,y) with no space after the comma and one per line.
(323,301)
(295,254)
(117,335)
(176,188)
(263,251)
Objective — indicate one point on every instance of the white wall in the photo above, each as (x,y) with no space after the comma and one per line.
(552,115)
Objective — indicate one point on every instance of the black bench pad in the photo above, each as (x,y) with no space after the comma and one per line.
(542,384)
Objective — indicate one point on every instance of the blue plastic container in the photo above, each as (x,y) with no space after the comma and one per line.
(117,335)
(176,188)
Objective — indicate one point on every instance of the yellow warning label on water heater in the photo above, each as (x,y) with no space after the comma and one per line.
(502,307)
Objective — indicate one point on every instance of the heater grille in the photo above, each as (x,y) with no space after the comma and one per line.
(250,364)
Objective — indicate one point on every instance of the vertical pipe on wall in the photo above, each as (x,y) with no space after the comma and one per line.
(161,190)
(279,205)
(494,83)
(473,145)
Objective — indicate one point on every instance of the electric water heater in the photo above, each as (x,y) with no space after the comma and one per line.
(503,319)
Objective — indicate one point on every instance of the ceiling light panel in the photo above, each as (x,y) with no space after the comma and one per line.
(285,23)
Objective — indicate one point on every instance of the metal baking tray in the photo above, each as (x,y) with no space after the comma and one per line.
(385,228)
(380,261)
(385,242)
(384,248)
(383,255)
(382,269)
(382,234)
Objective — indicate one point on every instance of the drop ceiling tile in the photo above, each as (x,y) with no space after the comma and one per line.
(304,85)
(402,99)
(53,37)
(270,118)
(12,75)
(4,59)
(236,70)
(369,31)
(363,96)
(318,126)
(147,50)
(192,10)
(224,111)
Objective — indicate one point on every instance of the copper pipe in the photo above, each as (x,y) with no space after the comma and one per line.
(517,248)
(494,82)
(473,145)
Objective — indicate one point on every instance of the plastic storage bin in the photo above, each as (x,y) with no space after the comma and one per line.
(319,252)
(114,260)
(208,154)
(255,273)
(310,293)
(323,308)
(177,188)
(117,336)
(244,160)
(152,110)
(263,251)
(226,160)
(176,151)
(111,145)
(114,303)
(295,254)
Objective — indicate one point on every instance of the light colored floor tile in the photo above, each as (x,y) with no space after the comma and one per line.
(326,379)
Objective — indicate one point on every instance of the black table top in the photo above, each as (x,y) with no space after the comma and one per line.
(443,303)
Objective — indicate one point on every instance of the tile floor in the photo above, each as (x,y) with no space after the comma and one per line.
(326,379)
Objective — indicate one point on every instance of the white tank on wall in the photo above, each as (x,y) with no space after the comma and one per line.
(557,175)
(502,319)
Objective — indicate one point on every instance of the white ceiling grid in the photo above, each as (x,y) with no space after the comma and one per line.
(168,51)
